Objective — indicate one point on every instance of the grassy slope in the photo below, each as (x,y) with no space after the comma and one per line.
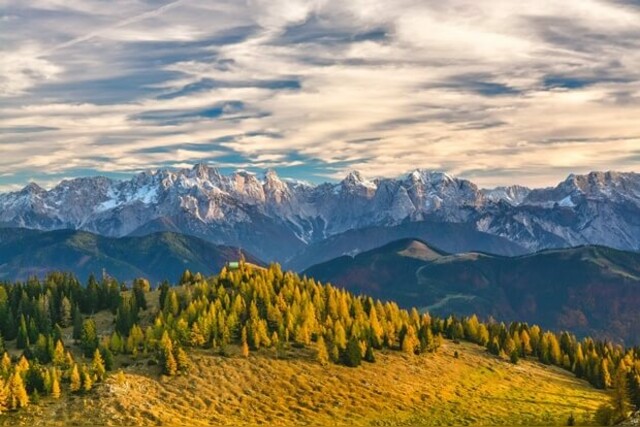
(438,389)
(433,389)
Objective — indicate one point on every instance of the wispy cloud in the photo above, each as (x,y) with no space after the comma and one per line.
(494,91)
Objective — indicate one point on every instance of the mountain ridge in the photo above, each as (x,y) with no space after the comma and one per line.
(591,290)
(157,256)
(276,219)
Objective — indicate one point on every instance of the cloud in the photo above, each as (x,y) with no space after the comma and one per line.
(494,91)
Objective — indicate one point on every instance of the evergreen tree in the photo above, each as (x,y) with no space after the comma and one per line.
(182,360)
(107,356)
(75,380)
(140,288)
(244,345)
(620,396)
(97,365)
(164,291)
(322,355)
(23,334)
(89,337)
(87,381)
(18,397)
(369,356)
(55,385)
(66,313)
(352,356)
(77,323)
(4,396)
(170,364)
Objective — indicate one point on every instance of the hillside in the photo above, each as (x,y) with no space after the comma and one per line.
(292,388)
(589,290)
(156,256)
(257,345)
(435,389)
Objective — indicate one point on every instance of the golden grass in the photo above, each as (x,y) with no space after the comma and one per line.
(434,389)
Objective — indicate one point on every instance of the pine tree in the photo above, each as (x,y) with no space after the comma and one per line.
(59,355)
(322,355)
(89,338)
(410,341)
(97,365)
(182,360)
(352,355)
(170,364)
(87,381)
(196,339)
(107,356)
(66,312)
(605,376)
(74,378)
(23,334)
(55,385)
(620,397)
(4,396)
(369,356)
(5,366)
(245,345)
(77,323)
(18,397)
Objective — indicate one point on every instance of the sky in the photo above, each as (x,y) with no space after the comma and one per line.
(497,91)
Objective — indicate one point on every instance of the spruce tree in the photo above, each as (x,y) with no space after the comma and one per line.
(89,337)
(75,380)
(18,397)
(182,360)
(97,365)
(23,334)
(55,385)
(4,396)
(322,355)
(352,355)
(77,323)
(170,364)
(66,313)
(87,380)
(244,344)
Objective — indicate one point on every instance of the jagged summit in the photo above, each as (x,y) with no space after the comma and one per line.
(275,217)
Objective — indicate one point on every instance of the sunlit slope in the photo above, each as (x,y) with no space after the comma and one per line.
(435,389)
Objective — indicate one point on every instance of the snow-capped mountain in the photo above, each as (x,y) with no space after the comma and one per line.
(275,218)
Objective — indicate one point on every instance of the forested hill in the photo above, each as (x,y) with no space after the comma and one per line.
(61,337)
(157,256)
(589,290)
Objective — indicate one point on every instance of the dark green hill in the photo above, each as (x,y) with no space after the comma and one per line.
(451,237)
(590,290)
(155,256)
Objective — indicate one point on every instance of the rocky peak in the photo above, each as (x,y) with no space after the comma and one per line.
(33,189)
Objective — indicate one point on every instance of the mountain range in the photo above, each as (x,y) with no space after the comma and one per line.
(286,221)
(589,290)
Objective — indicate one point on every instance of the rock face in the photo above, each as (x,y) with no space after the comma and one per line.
(275,218)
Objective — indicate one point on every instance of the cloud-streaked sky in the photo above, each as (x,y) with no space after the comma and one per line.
(496,91)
